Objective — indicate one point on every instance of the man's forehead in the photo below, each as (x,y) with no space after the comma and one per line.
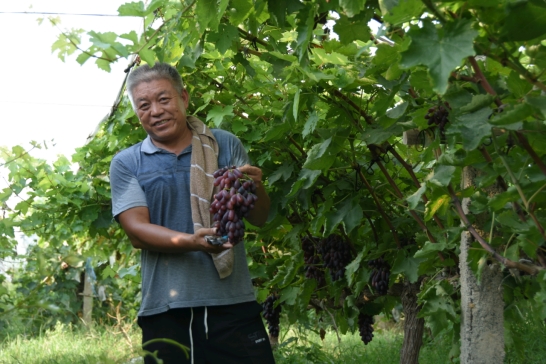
(154,87)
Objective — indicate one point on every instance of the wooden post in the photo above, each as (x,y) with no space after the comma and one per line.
(482,305)
(87,302)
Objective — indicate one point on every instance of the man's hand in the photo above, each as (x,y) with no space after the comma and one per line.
(253,172)
(258,215)
(144,235)
(205,245)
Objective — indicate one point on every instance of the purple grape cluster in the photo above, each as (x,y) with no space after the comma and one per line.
(380,275)
(336,254)
(312,261)
(365,327)
(232,203)
(272,314)
(438,115)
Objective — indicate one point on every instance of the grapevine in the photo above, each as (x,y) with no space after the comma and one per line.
(365,327)
(232,203)
(380,275)
(438,115)
(336,254)
(272,313)
(312,262)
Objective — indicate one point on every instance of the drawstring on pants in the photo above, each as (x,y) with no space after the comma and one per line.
(191,337)
(206,326)
(206,330)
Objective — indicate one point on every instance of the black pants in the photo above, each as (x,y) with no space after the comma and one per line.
(236,334)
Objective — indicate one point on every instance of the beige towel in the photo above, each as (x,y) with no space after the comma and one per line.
(204,162)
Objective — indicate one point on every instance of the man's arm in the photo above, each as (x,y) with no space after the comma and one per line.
(258,215)
(145,235)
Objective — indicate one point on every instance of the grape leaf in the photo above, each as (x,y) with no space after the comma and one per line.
(524,21)
(217,114)
(440,49)
(352,7)
(226,35)
(349,30)
(404,11)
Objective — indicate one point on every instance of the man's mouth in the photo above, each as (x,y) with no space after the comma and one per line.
(161,122)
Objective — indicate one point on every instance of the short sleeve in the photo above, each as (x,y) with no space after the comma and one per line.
(126,191)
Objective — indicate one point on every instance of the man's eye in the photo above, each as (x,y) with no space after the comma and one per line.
(143,106)
(163,99)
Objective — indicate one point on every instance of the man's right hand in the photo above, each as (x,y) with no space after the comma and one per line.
(145,235)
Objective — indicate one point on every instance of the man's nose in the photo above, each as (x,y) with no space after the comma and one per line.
(156,108)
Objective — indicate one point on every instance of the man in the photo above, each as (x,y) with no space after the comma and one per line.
(194,293)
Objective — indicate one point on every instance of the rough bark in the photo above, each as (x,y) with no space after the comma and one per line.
(413,326)
(482,319)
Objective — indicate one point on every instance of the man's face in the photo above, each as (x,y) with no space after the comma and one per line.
(161,110)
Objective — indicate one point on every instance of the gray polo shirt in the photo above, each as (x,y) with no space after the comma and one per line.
(144,175)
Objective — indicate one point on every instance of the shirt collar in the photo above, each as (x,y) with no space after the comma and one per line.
(148,147)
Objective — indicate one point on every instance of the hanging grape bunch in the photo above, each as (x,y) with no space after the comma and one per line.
(312,262)
(380,275)
(365,327)
(272,315)
(336,254)
(232,203)
(438,115)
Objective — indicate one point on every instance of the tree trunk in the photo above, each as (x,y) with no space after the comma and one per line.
(413,326)
(482,319)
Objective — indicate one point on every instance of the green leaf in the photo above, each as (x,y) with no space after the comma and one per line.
(296,104)
(353,218)
(472,128)
(319,157)
(310,124)
(352,268)
(239,11)
(404,11)
(351,29)
(478,102)
(148,56)
(224,38)
(352,7)
(217,114)
(305,180)
(525,20)
(513,115)
(414,199)
(434,205)
(517,85)
(538,103)
(132,9)
(442,175)
(441,49)
(321,57)
(284,171)
(430,248)
(408,266)
(206,12)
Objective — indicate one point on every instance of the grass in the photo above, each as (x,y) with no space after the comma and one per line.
(108,345)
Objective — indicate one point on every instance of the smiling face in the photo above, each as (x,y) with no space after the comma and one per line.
(162,113)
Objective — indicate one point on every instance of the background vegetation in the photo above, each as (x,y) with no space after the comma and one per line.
(325,95)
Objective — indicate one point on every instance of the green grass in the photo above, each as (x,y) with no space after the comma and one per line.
(68,344)
(107,345)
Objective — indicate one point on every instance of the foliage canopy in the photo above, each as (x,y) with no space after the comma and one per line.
(333,100)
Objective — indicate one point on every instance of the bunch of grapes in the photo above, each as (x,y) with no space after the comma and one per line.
(232,203)
(437,115)
(380,275)
(336,254)
(312,262)
(272,314)
(365,326)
